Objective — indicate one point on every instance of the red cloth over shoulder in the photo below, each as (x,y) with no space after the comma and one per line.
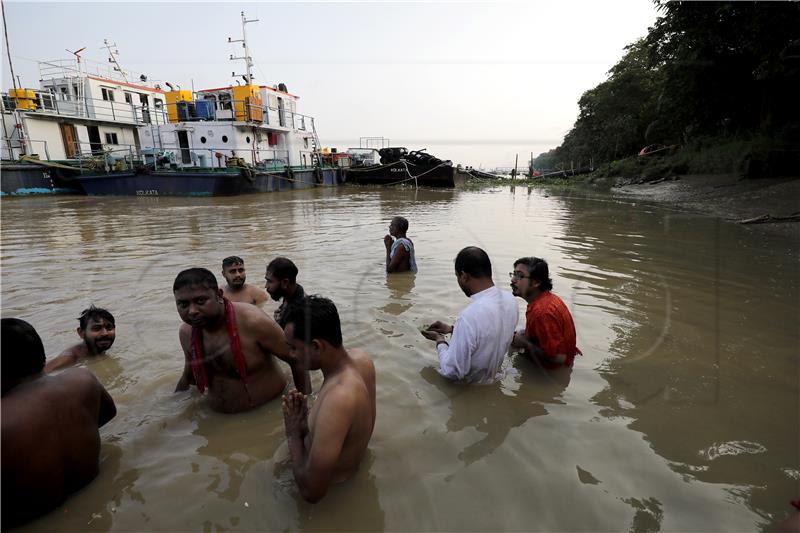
(549,324)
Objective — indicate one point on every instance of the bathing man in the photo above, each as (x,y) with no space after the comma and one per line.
(229,346)
(50,443)
(400,256)
(97,330)
(236,289)
(327,444)
(483,331)
(281,282)
(549,333)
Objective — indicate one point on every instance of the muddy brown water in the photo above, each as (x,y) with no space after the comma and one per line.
(682,415)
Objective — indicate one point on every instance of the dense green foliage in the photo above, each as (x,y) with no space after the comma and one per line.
(705,70)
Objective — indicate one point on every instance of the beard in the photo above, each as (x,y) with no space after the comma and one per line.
(99,344)
(277,294)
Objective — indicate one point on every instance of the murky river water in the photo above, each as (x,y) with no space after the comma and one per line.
(682,415)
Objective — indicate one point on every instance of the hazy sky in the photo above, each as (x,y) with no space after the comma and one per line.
(474,82)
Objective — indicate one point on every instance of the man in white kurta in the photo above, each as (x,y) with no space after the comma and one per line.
(483,332)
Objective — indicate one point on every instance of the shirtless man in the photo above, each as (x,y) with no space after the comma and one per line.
(50,443)
(327,444)
(97,329)
(229,347)
(236,289)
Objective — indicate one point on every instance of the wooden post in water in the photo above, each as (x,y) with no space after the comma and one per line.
(514,172)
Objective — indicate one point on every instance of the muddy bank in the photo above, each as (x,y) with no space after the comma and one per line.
(727,196)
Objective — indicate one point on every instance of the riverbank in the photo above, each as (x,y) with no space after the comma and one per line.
(726,196)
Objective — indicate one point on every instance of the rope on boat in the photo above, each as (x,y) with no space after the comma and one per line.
(415,177)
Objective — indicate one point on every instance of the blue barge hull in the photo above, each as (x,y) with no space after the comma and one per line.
(212,183)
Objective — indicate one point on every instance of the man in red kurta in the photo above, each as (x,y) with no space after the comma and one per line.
(549,334)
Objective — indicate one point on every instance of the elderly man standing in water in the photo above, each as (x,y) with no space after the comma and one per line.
(483,331)
(236,289)
(327,444)
(50,439)
(400,256)
(229,346)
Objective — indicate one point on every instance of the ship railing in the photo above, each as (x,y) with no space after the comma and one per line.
(207,109)
(13,147)
(107,157)
(68,105)
(169,155)
(68,68)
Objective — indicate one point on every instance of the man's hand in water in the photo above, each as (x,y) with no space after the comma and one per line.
(387,241)
(295,414)
(433,335)
(440,327)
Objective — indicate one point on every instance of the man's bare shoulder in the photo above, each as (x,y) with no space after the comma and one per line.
(68,357)
(250,315)
(362,360)
(257,295)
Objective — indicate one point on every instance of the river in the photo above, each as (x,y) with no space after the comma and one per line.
(681,415)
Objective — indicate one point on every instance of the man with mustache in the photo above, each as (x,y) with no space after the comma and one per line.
(229,347)
(549,335)
(237,290)
(96,329)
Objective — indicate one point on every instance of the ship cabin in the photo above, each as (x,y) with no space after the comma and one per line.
(81,109)
(255,124)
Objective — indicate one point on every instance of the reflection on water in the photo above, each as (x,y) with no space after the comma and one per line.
(681,415)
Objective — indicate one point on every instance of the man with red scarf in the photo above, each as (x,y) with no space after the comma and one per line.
(229,347)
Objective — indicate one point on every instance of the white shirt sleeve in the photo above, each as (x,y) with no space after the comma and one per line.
(455,360)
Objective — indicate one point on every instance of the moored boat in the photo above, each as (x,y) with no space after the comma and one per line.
(400,167)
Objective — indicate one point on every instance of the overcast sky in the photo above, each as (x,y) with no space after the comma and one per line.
(474,82)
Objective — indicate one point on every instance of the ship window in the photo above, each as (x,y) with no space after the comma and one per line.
(111,138)
(224,138)
(64,93)
(128,98)
(247,139)
(305,142)
(108,94)
(158,103)
(203,140)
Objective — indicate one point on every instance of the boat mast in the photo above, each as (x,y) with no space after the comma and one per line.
(112,58)
(248,61)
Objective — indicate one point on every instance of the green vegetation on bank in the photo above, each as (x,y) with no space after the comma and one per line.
(717,81)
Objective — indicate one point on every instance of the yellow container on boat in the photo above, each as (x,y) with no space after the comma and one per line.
(23,98)
(247,103)
(173,97)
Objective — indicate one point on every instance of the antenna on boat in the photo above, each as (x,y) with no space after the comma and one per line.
(248,61)
(112,58)
(77,54)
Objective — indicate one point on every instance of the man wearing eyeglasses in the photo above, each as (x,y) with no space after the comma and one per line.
(483,331)
(549,334)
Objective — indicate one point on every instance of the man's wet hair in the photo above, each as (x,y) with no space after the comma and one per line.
(283,268)
(21,347)
(474,262)
(232,260)
(193,277)
(402,224)
(95,313)
(315,317)
(538,270)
